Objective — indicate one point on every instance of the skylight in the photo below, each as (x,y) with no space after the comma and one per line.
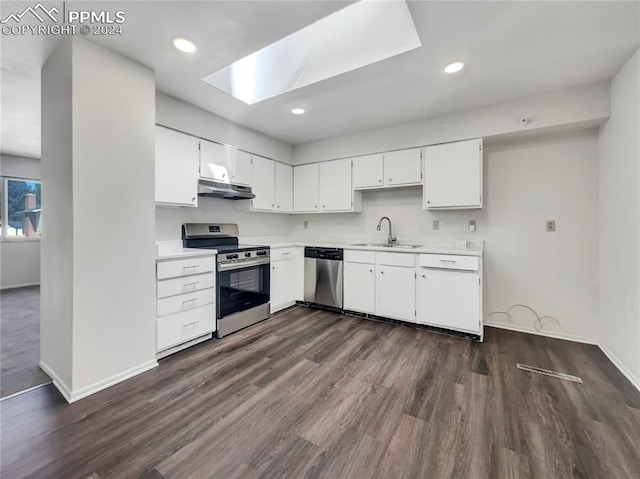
(356,36)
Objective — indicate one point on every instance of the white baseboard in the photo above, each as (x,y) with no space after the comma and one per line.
(57,382)
(621,367)
(111,381)
(72,396)
(531,330)
(15,286)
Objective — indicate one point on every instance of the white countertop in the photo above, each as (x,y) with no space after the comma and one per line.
(474,248)
(173,250)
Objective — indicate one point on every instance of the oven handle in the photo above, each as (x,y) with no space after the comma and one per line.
(242,265)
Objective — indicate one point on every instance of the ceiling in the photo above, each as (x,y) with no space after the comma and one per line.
(511,50)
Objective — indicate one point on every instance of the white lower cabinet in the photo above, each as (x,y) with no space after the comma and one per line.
(449,295)
(186,302)
(395,292)
(183,327)
(360,287)
(284,277)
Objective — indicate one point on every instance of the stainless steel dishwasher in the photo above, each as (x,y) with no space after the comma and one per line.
(323,272)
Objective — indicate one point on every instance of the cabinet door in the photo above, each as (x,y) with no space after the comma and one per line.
(449,299)
(177,158)
(284,188)
(263,183)
(360,287)
(368,171)
(403,167)
(395,292)
(305,188)
(283,284)
(214,162)
(453,175)
(336,190)
(240,167)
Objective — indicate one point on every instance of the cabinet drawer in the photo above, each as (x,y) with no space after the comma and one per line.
(185,302)
(278,254)
(188,284)
(184,267)
(357,256)
(181,327)
(396,259)
(449,261)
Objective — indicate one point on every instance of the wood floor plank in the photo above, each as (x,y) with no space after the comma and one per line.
(314,394)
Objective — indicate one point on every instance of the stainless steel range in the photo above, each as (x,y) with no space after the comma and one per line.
(242,274)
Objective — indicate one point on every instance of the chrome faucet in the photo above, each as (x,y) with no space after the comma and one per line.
(391,239)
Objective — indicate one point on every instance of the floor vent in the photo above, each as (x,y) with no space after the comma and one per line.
(547,372)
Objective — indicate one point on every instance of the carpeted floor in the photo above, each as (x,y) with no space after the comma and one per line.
(20,340)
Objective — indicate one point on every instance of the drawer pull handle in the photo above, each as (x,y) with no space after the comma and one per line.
(285,254)
(191,285)
(451,261)
(370,271)
(192,301)
(184,268)
(190,324)
(424,276)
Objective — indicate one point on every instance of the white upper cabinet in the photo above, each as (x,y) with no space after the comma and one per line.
(239,166)
(263,184)
(336,190)
(403,167)
(177,160)
(223,163)
(284,188)
(368,171)
(325,188)
(453,175)
(214,162)
(305,188)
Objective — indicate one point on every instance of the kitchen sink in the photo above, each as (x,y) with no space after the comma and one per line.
(387,245)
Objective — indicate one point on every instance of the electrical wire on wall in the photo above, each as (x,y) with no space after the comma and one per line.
(539,324)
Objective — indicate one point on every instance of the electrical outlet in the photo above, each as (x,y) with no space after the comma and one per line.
(305,224)
(472,226)
(436,224)
(551,225)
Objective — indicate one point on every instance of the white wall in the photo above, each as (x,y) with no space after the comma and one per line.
(580,106)
(113,209)
(216,210)
(619,229)
(526,183)
(56,264)
(188,118)
(19,260)
(98,281)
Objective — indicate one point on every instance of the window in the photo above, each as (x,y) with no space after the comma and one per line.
(21,208)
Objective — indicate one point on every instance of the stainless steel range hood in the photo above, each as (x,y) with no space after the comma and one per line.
(227,191)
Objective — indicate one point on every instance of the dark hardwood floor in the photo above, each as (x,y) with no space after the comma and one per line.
(312,394)
(20,340)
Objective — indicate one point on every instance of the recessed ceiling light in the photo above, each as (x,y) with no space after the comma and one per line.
(297,111)
(184,45)
(454,67)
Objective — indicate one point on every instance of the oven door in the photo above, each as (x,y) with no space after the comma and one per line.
(241,288)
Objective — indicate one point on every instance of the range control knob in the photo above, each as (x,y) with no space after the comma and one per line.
(247,255)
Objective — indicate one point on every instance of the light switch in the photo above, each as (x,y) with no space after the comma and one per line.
(472,226)
(551,225)
(436,224)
